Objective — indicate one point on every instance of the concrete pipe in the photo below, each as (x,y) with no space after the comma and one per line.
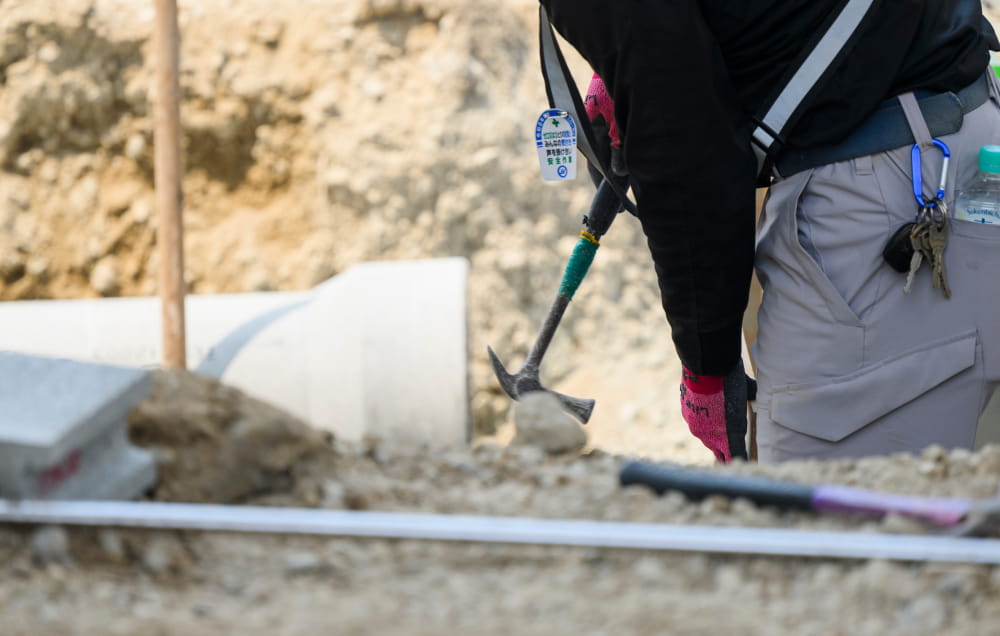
(381,348)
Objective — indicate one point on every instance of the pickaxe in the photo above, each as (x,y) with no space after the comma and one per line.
(962,517)
(603,210)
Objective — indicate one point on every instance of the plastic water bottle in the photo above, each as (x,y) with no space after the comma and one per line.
(980,201)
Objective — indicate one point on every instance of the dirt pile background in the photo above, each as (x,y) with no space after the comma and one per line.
(318,135)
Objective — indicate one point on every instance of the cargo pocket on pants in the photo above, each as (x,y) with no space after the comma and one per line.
(838,407)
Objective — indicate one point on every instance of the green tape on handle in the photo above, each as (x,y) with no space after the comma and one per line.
(576,269)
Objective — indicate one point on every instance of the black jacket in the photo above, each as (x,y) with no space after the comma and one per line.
(686,76)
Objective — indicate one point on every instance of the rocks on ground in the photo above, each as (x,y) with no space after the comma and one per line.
(540,421)
(60,580)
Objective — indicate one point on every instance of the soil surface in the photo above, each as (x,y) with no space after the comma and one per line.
(217,445)
(340,131)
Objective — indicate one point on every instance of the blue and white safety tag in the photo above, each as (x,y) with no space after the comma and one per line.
(555,138)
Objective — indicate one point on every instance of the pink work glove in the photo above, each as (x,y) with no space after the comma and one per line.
(715,409)
(599,104)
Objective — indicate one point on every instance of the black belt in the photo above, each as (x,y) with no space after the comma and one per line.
(887,128)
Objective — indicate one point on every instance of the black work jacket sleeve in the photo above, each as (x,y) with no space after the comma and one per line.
(686,145)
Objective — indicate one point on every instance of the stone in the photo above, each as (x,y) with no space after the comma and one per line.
(540,421)
(104,276)
(162,554)
(135,147)
(334,495)
(50,544)
(305,563)
(111,542)
(141,211)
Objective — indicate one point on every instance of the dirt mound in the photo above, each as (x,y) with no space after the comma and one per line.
(214,444)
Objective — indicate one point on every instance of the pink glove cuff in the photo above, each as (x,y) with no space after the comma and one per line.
(598,102)
(703,384)
(703,406)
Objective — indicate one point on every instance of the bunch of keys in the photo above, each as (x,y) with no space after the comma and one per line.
(926,237)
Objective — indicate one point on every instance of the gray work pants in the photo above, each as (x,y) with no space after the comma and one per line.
(848,365)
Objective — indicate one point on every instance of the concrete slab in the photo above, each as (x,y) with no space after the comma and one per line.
(63,432)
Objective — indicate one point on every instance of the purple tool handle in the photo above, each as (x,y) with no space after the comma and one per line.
(936,510)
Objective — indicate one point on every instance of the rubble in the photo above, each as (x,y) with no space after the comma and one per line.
(135,580)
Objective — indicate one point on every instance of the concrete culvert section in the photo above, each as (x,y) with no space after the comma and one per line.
(381,349)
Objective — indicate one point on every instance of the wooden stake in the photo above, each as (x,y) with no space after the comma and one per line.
(167,141)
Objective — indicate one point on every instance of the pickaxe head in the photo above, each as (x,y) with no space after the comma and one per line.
(526,380)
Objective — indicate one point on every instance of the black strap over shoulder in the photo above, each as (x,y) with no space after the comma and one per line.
(774,120)
(563,94)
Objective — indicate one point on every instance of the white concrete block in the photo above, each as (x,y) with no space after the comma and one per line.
(63,433)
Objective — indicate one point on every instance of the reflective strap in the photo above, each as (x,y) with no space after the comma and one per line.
(805,78)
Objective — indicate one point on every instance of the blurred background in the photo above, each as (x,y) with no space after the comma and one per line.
(319,135)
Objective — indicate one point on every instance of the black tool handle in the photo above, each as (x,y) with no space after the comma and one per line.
(697,485)
(604,207)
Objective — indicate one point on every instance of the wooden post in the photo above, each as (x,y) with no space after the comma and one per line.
(167,141)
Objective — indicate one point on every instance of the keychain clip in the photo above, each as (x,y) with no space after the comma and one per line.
(918,185)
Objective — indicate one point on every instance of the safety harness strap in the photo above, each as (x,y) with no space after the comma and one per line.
(563,94)
(784,110)
(779,115)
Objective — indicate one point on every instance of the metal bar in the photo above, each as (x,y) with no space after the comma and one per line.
(567,532)
(167,169)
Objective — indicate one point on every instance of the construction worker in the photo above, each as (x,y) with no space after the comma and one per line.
(848,363)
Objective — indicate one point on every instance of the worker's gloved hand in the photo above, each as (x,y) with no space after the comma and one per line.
(715,409)
(601,113)
(599,106)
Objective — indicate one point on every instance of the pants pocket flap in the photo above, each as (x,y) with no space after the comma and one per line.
(840,406)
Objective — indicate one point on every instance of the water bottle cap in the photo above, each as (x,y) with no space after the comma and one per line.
(989,159)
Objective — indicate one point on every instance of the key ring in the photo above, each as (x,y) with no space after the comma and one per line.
(918,185)
(933,213)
